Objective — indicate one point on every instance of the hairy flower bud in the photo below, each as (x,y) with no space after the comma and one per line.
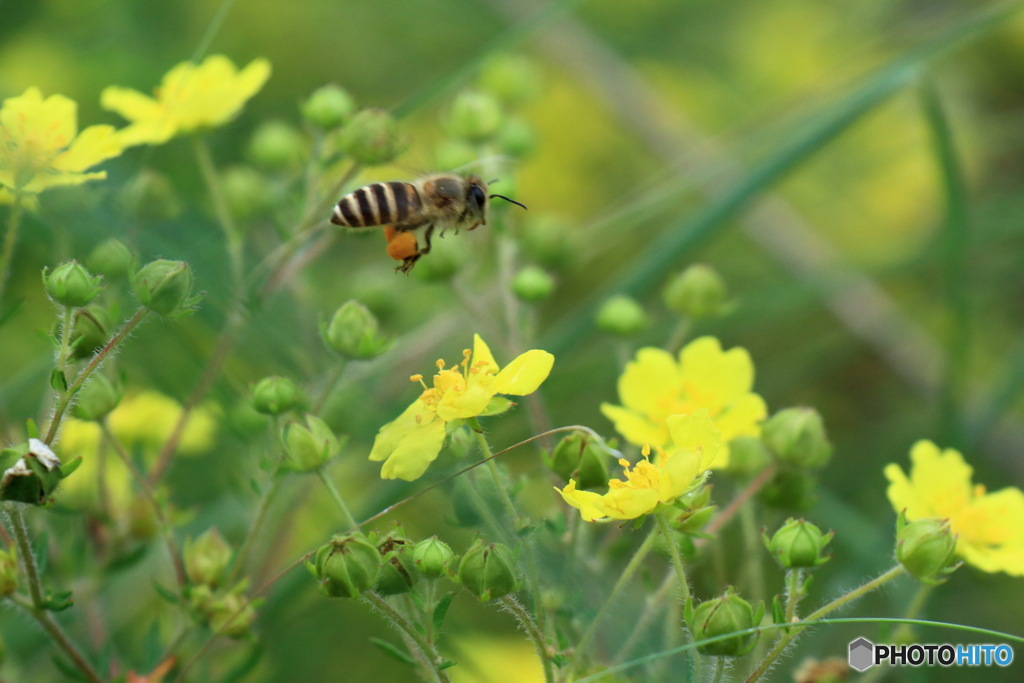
(111,258)
(475,116)
(926,548)
(207,558)
(70,284)
(532,284)
(275,395)
(354,332)
(723,615)
(164,287)
(311,445)
(346,566)
(396,572)
(798,544)
(579,458)
(621,315)
(431,557)
(92,331)
(748,456)
(328,107)
(488,571)
(98,397)
(370,138)
(698,292)
(797,436)
(277,145)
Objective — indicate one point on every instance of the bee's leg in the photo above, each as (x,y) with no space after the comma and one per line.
(409,261)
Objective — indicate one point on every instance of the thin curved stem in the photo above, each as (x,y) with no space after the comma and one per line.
(10,239)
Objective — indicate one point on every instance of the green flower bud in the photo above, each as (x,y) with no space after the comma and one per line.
(229,614)
(149,196)
(371,137)
(111,258)
(311,445)
(164,287)
(29,472)
(578,457)
(698,292)
(8,572)
(142,522)
(275,395)
(246,191)
(92,331)
(797,437)
(70,284)
(696,510)
(748,456)
(98,397)
(346,566)
(454,154)
(621,315)
(396,572)
(549,241)
(443,263)
(926,548)
(431,557)
(532,284)
(207,558)
(513,79)
(517,137)
(723,615)
(328,107)
(277,145)
(474,116)
(790,489)
(488,571)
(353,332)
(798,544)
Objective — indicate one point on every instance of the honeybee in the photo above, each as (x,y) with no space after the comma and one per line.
(442,200)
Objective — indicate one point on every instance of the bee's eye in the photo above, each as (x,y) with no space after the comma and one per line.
(476,193)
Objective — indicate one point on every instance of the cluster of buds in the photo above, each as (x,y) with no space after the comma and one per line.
(227,611)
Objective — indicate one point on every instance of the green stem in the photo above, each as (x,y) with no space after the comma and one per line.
(533,633)
(627,575)
(680,570)
(787,637)
(147,493)
(37,605)
(64,400)
(348,520)
(67,330)
(333,377)
(232,237)
(10,239)
(428,653)
(238,566)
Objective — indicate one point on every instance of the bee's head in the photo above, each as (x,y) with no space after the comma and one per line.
(477,198)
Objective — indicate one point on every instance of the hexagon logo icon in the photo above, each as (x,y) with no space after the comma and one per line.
(862,654)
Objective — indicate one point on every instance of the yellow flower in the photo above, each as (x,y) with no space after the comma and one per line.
(141,421)
(413,440)
(40,146)
(189,97)
(655,386)
(696,443)
(989,526)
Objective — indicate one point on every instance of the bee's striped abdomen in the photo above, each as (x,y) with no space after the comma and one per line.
(378,204)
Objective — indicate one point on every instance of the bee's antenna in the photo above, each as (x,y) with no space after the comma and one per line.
(501,196)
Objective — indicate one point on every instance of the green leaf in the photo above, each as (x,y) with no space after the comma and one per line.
(165,593)
(58,382)
(57,601)
(441,610)
(496,406)
(393,650)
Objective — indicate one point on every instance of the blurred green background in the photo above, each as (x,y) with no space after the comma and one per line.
(794,145)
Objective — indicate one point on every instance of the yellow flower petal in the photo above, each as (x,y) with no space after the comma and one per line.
(93,145)
(524,374)
(991,532)
(715,377)
(587,502)
(415,452)
(467,403)
(742,417)
(634,427)
(697,433)
(482,357)
(391,434)
(649,381)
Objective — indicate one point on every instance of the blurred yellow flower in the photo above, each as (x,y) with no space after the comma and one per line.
(989,526)
(141,421)
(696,443)
(189,97)
(655,386)
(40,146)
(412,441)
